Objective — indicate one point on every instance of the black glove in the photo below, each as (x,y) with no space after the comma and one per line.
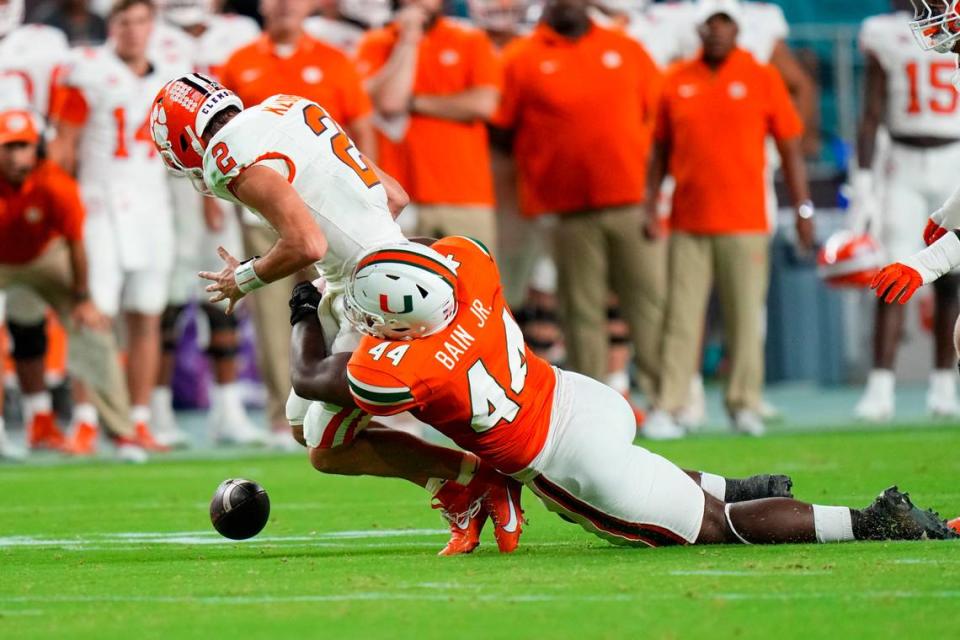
(304,302)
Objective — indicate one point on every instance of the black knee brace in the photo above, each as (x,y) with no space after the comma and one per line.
(168,327)
(29,340)
(218,319)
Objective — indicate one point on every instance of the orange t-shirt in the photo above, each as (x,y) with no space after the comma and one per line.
(583,112)
(46,206)
(312,69)
(715,124)
(440,161)
(476,381)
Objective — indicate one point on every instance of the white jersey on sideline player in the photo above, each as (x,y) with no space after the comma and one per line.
(128,228)
(29,56)
(355,18)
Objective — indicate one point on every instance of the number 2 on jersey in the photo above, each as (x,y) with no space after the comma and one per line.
(488,399)
(944,96)
(319,122)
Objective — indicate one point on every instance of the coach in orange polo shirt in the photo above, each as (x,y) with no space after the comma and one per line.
(581,101)
(286,60)
(715,114)
(43,262)
(435,81)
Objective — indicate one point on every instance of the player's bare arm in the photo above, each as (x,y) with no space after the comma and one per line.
(84,312)
(63,148)
(391,87)
(301,243)
(476,103)
(799,84)
(795,173)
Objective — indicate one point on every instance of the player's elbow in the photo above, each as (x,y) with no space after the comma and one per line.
(311,249)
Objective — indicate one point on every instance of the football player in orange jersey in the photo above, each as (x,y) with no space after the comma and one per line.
(441,343)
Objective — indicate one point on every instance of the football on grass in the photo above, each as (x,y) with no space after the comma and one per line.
(239,509)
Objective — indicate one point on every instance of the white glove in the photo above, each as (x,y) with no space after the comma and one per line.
(864,205)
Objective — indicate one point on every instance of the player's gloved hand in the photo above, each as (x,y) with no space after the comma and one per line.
(897,283)
(304,302)
(935,229)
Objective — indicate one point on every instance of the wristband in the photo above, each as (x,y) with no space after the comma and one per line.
(247,278)
(806,210)
(938,259)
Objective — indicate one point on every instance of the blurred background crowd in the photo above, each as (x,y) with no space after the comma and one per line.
(654,179)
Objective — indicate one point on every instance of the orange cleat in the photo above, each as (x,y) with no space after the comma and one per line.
(146,440)
(43,433)
(503,504)
(954,524)
(83,440)
(464,511)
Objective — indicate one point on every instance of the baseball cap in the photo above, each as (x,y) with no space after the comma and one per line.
(706,9)
(17,125)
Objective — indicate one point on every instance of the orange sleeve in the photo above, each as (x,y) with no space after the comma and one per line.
(356,102)
(372,54)
(65,196)
(486,70)
(69,105)
(784,121)
(375,390)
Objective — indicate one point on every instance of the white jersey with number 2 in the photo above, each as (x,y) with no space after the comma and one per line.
(921,98)
(297,138)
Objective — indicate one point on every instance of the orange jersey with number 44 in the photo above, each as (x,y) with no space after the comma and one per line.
(476,381)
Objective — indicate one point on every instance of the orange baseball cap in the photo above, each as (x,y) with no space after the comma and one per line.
(17,125)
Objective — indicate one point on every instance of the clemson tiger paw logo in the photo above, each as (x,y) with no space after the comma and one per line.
(159,124)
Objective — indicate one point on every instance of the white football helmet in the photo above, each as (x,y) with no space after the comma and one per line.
(936,24)
(11,15)
(402,292)
(373,13)
(500,15)
(185,13)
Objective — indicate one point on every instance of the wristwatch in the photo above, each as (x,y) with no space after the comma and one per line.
(806,210)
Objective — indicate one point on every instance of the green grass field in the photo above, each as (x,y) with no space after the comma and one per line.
(104,551)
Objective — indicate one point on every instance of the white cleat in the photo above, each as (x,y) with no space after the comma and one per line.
(942,395)
(660,425)
(749,423)
(10,452)
(163,423)
(768,411)
(878,401)
(694,415)
(132,453)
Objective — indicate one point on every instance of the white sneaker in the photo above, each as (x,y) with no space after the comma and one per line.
(878,401)
(9,451)
(132,453)
(768,411)
(660,425)
(232,425)
(749,423)
(163,422)
(942,394)
(694,415)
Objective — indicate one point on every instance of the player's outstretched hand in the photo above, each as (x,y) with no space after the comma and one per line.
(224,285)
(896,283)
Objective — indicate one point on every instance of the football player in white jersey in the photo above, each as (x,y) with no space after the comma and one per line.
(936,27)
(29,54)
(909,92)
(101,111)
(189,33)
(294,167)
(342,23)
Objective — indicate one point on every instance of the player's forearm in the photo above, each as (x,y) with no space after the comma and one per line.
(62,150)
(314,375)
(478,103)
(937,260)
(657,171)
(794,171)
(79,270)
(290,255)
(798,81)
(874,106)
(391,88)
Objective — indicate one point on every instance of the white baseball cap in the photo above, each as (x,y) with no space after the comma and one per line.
(706,9)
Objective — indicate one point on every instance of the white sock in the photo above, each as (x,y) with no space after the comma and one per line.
(619,381)
(714,485)
(468,468)
(140,413)
(882,381)
(34,403)
(434,485)
(943,380)
(225,395)
(85,412)
(161,396)
(833,524)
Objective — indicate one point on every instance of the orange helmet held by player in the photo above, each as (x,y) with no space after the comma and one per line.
(936,24)
(849,259)
(181,112)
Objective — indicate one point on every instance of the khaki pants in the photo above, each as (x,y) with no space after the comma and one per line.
(92,357)
(439,220)
(602,250)
(740,266)
(271,320)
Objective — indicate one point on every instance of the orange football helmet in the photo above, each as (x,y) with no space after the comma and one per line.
(850,260)
(181,112)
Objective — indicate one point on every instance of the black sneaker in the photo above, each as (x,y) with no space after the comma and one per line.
(757,487)
(892,516)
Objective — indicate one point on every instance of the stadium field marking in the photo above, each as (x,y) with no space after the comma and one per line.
(750,574)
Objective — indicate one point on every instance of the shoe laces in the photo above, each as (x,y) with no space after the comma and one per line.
(461,520)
